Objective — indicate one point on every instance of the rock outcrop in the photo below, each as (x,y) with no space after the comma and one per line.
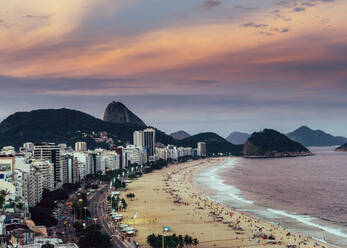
(342,148)
(117,112)
(272,144)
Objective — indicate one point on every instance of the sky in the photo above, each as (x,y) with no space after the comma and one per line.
(195,65)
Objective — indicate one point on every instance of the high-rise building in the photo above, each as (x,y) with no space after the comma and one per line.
(64,164)
(7,167)
(70,167)
(135,154)
(22,178)
(87,163)
(28,146)
(120,153)
(201,151)
(138,139)
(62,147)
(81,146)
(95,162)
(42,178)
(50,152)
(149,142)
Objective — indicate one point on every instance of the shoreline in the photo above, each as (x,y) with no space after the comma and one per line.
(295,223)
(171,197)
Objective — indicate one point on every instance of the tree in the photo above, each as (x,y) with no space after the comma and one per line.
(42,213)
(2,201)
(170,241)
(124,204)
(3,194)
(180,241)
(20,206)
(186,240)
(93,238)
(151,240)
(79,229)
(47,245)
(130,196)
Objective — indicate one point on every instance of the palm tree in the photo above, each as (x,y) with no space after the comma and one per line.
(2,201)
(20,205)
(180,241)
(3,194)
(12,204)
(186,240)
(190,240)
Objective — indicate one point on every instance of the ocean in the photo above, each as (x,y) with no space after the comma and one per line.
(306,195)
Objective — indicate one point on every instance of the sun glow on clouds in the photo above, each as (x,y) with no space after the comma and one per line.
(42,39)
(32,22)
(242,60)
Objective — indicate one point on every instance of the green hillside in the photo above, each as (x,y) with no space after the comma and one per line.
(214,143)
(60,126)
(270,143)
(68,126)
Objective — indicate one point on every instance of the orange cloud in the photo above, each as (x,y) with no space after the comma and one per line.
(156,50)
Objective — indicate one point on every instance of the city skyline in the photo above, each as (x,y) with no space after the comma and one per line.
(219,66)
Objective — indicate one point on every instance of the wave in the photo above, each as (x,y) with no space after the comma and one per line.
(307,220)
(224,191)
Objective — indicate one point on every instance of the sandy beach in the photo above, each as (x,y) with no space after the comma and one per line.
(169,197)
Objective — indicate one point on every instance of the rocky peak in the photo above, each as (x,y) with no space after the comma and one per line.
(117,112)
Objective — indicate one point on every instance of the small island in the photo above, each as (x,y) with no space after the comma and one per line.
(342,148)
(272,144)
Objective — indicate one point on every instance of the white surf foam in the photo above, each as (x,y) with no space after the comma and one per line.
(224,192)
(307,220)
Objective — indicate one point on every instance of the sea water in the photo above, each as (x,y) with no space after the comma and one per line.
(307,195)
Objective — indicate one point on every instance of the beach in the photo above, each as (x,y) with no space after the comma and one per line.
(170,197)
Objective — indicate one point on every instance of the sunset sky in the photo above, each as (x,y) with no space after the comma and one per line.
(213,65)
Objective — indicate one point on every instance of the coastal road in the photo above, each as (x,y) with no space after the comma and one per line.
(97,208)
(64,227)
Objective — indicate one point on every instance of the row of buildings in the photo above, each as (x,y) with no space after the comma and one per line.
(26,173)
(35,167)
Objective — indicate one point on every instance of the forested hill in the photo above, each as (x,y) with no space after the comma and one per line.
(270,143)
(68,126)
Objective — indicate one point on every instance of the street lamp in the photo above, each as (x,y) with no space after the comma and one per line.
(85,213)
(95,219)
(165,230)
(80,203)
(163,244)
(134,217)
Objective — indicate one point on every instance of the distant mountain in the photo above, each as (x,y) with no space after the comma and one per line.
(270,143)
(60,126)
(180,135)
(308,137)
(238,138)
(342,148)
(214,143)
(117,112)
(69,126)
